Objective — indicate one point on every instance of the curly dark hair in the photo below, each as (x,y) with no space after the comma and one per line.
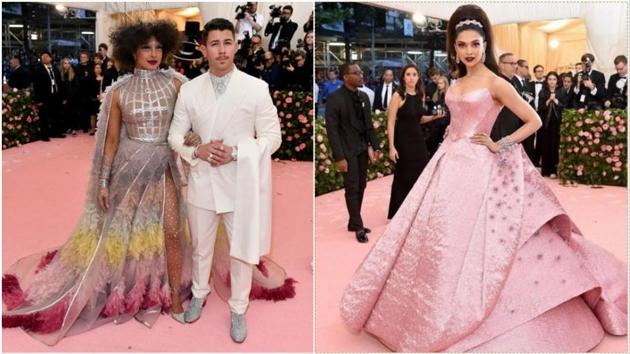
(128,37)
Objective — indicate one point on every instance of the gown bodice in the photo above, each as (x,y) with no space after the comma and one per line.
(472,112)
(147,101)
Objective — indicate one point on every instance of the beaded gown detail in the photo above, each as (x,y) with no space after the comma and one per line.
(113,266)
(481,256)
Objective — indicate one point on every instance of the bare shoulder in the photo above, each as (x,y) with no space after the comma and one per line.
(498,86)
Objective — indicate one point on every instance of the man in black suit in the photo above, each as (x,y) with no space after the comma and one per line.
(353,140)
(384,91)
(47,96)
(618,85)
(590,86)
(281,32)
(507,122)
(535,87)
(20,77)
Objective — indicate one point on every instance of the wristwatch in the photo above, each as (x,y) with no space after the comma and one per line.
(234,153)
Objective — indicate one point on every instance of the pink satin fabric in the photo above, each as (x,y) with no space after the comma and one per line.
(482,256)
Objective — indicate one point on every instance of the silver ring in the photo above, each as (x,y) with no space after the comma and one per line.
(210,157)
(221,148)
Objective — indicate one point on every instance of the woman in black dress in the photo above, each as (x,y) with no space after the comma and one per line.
(95,95)
(69,94)
(407,146)
(551,114)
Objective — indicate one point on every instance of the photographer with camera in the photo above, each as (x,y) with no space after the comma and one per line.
(618,85)
(296,75)
(590,86)
(247,20)
(281,32)
(253,53)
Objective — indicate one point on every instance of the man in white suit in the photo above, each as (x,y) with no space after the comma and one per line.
(230,177)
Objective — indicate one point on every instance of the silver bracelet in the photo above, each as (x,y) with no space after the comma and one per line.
(103,182)
(506,144)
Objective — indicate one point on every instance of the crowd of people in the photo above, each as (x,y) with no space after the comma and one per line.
(69,91)
(68,95)
(549,93)
(281,66)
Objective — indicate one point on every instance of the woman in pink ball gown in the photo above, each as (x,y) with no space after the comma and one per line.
(481,256)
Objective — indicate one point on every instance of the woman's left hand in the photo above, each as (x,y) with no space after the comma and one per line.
(484,139)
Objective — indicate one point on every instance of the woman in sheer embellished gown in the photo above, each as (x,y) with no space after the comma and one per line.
(130,254)
(481,256)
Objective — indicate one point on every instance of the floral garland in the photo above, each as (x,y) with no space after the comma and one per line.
(295,109)
(19,118)
(327,177)
(593,147)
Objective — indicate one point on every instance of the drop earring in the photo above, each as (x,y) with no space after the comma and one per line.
(457,59)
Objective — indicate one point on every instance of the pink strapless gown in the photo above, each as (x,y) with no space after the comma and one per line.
(481,256)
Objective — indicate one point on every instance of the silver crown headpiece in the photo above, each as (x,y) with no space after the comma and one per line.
(468,22)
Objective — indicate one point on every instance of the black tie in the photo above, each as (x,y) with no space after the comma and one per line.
(53,84)
(386,96)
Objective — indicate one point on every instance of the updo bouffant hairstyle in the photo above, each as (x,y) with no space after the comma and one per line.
(470,17)
(128,37)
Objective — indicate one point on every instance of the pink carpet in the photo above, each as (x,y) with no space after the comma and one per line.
(600,213)
(43,190)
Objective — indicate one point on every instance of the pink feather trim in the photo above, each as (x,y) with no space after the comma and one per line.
(47,321)
(12,294)
(286,291)
(45,261)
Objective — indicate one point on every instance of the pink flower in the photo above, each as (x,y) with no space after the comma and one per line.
(621,128)
(289,116)
(296,135)
(588,121)
(606,114)
(288,100)
(311,112)
(302,146)
(297,148)
(9,126)
(297,104)
(609,160)
(609,147)
(289,124)
(289,138)
(376,124)
(579,123)
(29,120)
(576,149)
(290,93)
(597,113)
(618,164)
(281,114)
(596,141)
(320,138)
(615,159)
(593,154)
(617,153)
(320,168)
(322,156)
(579,172)
(302,119)
(617,119)
(605,126)
(323,148)
(379,175)
(584,151)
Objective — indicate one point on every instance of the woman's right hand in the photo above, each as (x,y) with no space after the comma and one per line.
(103,198)
(393,154)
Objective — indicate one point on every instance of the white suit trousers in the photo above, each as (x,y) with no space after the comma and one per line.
(203,227)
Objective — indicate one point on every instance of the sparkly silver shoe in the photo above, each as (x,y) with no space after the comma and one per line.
(238,329)
(193,312)
(179,317)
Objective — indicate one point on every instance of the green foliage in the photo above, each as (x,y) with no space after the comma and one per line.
(19,118)
(295,109)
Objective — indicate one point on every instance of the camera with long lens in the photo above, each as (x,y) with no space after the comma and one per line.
(276,11)
(241,10)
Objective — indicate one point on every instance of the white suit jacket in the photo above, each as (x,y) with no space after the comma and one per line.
(244,116)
